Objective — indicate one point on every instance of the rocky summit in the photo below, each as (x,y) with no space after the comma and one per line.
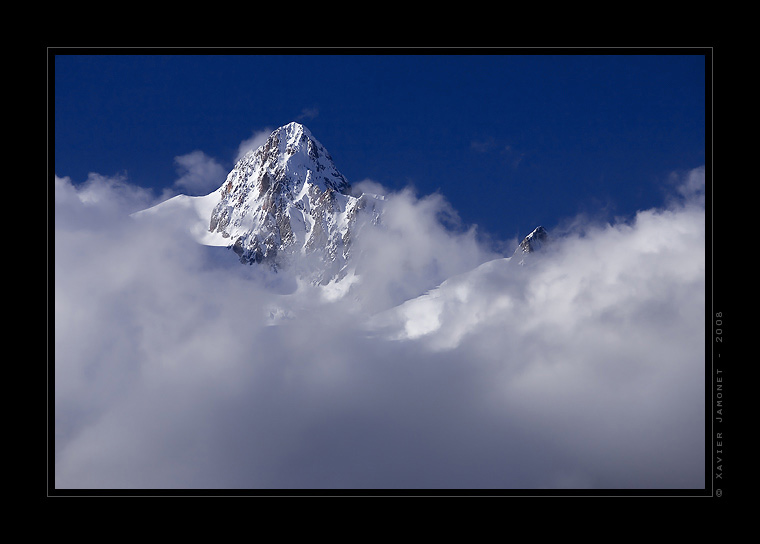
(532,242)
(287,198)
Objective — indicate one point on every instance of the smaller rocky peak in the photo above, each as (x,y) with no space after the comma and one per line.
(530,244)
(533,241)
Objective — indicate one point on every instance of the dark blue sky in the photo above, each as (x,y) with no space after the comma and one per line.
(512,141)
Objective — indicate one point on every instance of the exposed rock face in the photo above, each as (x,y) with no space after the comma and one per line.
(532,242)
(286,198)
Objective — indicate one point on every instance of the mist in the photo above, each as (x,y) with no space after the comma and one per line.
(440,365)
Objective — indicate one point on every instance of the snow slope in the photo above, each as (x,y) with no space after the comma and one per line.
(195,212)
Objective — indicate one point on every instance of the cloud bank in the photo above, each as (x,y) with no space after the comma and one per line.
(177,367)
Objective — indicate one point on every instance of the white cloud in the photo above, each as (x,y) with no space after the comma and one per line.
(368,186)
(199,173)
(103,193)
(257,139)
(583,369)
(308,113)
(412,251)
(691,186)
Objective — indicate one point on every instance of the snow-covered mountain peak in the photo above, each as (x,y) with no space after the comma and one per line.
(294,133)
(287,198)
(292,156)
